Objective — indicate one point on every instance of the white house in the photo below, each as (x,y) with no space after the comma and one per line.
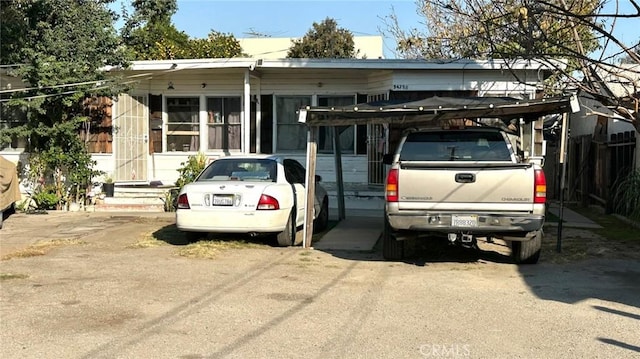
(177,108)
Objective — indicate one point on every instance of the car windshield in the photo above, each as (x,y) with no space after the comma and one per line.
(242,169)
(455,146)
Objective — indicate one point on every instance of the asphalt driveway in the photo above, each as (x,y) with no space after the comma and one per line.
(98,294)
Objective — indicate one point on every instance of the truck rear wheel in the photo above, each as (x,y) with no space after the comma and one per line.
(527,252)
(392,249)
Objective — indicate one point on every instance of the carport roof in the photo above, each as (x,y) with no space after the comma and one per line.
(433,109)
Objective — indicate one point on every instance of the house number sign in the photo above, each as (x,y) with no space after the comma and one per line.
(400,86)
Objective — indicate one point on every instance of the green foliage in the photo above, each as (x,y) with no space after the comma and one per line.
(154,10)
(216,45)
(59,48)
(188,172)
(150,35)
(157,41)
(324,40)
(47,198)
(191,169)
(626,195)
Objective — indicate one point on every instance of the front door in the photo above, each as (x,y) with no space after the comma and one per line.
(130,138)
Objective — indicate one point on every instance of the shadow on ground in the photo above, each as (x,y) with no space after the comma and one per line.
(173,236)
(435,250)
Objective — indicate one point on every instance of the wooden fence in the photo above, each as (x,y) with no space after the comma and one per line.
(594,166)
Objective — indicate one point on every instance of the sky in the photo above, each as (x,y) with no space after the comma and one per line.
(276,18)
(279,18)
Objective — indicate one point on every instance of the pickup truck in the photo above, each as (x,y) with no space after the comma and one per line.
(464,184)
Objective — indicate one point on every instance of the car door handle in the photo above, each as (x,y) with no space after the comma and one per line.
(465,177)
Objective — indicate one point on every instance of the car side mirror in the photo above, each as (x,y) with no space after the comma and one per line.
(318,178)
(387,158)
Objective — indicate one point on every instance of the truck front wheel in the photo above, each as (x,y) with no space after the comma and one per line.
(527,252)
(392,249)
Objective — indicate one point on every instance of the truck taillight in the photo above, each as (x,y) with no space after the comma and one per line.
(183,202)
(268,202)
(539,187)
(391,189)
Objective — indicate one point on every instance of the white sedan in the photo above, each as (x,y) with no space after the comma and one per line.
(255,194)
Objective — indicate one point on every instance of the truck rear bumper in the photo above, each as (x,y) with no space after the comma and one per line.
(499,224)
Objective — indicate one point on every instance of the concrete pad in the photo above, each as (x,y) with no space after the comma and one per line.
(352,234)
(571,218)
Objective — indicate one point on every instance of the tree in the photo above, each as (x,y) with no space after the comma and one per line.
(150,35)
(216,45)
(58,48)
(635,50)
(577,31)
(324,40)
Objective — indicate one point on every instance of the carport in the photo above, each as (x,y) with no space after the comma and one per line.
(488,111)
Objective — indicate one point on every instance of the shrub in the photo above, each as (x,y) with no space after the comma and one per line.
(188,173)
(191,169)
(626,195)
(46,198)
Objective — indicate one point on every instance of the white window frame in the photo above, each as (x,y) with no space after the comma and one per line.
(165,126)
(276,123)
(209,124)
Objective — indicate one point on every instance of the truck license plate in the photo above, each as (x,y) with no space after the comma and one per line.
(223,200)
(464,221)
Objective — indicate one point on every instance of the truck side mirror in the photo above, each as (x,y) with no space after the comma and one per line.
(387,158)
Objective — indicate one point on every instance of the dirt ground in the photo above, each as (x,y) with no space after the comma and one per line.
(92,285)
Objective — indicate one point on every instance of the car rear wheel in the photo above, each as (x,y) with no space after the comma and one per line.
(285,238)
(392,249)
(321,222)
(527,252)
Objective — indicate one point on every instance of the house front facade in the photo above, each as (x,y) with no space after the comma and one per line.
(177,108)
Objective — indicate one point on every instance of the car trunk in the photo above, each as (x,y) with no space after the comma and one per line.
(226,195)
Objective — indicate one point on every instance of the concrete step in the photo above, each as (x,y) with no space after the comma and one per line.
(142,192)
(128,207)
(134,199)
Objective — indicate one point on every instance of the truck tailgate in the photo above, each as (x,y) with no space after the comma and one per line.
(507,187)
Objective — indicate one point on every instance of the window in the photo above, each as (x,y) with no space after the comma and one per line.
(183,128)
(292,136)
(256,170)
(294,172)
(224,123)
(455,146)
(345,133)
(155,123)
